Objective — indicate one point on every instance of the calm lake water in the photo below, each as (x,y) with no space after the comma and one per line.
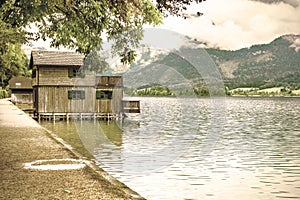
(233,148)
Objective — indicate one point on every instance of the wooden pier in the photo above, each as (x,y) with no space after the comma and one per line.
(131,106)
(77,116)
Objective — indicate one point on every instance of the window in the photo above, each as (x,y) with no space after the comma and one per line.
(103,94)
(33,74)
(76,94)
(75,72)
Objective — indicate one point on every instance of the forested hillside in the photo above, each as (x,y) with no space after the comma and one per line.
(262,66)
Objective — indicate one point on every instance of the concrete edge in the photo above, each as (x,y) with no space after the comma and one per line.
(94,167)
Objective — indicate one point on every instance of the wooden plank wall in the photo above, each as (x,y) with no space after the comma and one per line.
(109,82)
(51,93)
(34,77)
(113,105)
(117,100)
(59,76)
(55,100)
(21,98)
(103,106)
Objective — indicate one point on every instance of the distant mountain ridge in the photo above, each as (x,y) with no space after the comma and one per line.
(277,62)
(264,65)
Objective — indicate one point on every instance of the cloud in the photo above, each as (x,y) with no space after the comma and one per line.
(234,24)
(293,3)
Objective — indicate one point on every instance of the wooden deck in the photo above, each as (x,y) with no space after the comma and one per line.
(131,106)
(77,116)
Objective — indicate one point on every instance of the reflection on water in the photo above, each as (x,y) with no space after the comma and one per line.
(255,157)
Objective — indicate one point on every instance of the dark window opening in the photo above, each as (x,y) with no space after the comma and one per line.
(76,94)
(103,94)
(33,74)
(75,73)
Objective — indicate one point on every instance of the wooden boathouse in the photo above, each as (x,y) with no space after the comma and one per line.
(21,91)
(62,90)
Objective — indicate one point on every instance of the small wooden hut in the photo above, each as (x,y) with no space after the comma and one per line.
(21,90)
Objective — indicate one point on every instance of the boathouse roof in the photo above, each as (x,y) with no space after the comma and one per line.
(55,58)
(20,83)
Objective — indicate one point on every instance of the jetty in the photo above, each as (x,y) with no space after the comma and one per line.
(36,164)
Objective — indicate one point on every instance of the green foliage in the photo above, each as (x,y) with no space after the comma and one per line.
(10,35)
(183,67)
(78,25)
(174,7)
(276,64)
(289,77)
(13,62)
(94,62)
(263,66)
(81,25)
(203,91)
(128,57)
(155,90)
(3,93)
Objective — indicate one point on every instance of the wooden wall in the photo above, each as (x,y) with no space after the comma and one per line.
(113,105)
(52,83)
(109,82)
(22,98)
(53,99)
(58,75)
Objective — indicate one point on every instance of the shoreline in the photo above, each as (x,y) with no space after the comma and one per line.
(24,140)
(94,167)
(262,96)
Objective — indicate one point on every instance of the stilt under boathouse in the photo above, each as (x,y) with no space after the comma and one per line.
(62,90)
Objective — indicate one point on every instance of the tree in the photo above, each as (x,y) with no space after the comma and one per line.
(95,62)
(174,7)
(82,24)
(13,61)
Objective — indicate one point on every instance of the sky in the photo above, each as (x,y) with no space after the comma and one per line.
(235,24)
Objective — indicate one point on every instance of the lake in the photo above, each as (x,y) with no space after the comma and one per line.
(200,148)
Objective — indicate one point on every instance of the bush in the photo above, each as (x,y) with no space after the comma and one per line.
(3,94)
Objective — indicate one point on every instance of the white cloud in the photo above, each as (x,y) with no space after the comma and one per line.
(234,24)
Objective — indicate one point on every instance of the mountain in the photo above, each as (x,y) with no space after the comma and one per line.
(275,63)
(264,65)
